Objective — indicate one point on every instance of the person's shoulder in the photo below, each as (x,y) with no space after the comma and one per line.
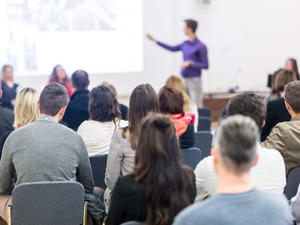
(272,200)
(126,185)
(270,154)
(204,164)
(6,112)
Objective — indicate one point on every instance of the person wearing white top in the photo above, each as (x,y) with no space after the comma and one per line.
(268,174)
(104,115)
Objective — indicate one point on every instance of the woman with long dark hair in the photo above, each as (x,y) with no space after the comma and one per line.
(60,76)
(160,186)
(121,155)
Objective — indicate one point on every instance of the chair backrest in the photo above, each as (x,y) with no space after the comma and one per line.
(191,156)
(98,164)
(48,203)
(204,123)
(132,223)
(204,112)
(203,141)
(292,183)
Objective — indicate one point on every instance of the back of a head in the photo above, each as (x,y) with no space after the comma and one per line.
(157,157)
(283,77)
(26,110)
(103,105)
(236,142)
(292,95)
(193,24)
(294,64)
(248,104)
(176,82)
(170,101)
(80,79)
(53,98)
(111,88)
(143,100)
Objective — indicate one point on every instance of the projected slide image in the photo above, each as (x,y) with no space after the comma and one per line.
(102,36)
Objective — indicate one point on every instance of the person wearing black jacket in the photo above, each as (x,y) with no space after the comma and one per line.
(78,107)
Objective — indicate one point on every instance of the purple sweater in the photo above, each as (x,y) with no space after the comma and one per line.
(195,51)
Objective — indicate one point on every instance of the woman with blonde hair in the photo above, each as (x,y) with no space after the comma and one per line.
(188,106)
(25,110)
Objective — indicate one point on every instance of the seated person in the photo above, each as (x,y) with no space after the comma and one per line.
(276,110)
(121,154)
(104,115)
(78,107)
(237,202)
(285,136)
(268,174)
(152,193)
(9,87)
(6,118)
(44,150)
(26,111)
(171,104)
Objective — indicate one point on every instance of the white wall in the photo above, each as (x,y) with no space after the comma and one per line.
(246,39)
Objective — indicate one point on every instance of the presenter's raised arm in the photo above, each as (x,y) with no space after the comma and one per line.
(168,47)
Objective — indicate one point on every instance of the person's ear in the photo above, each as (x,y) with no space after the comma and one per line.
(62,111)
(289,108)
(263,124)
(255,160)
(38,105)
(1,93)
(215,156)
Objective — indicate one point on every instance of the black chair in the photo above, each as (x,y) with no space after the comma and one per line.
(98,164)
(203,141)
(191,156)
(48,203)
(204,123)
(292,183)
(204,112)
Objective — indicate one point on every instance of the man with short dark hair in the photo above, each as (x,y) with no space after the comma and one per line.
(195,59)
(285,136)
(268,174)
(78,107)
(6,118)
(44,150)
(237,201)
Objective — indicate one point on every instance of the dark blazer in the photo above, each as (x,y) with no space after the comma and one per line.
(128,200)
(6,120)
(8,95)
(3,139)
(77,110)
(276,113)
(124,111)
(187,139)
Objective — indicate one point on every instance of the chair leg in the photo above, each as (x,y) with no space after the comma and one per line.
(84,213)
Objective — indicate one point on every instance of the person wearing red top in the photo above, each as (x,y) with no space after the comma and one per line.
(60,76)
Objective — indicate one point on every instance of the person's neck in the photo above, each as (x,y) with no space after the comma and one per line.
(192,37)
(229,183)
(281,94)
(56,117)
(293,114)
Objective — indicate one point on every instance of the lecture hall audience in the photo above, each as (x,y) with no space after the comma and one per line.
(9,87)
(171,104)
(44,150)
(6,118)
(240,183)
(285,136)
(151,193)
(268,174)
(78,107)
(276,110)
(237,201)
(121,154)
(25,111)
(104,118)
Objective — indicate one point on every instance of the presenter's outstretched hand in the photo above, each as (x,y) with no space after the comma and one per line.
(151,38)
